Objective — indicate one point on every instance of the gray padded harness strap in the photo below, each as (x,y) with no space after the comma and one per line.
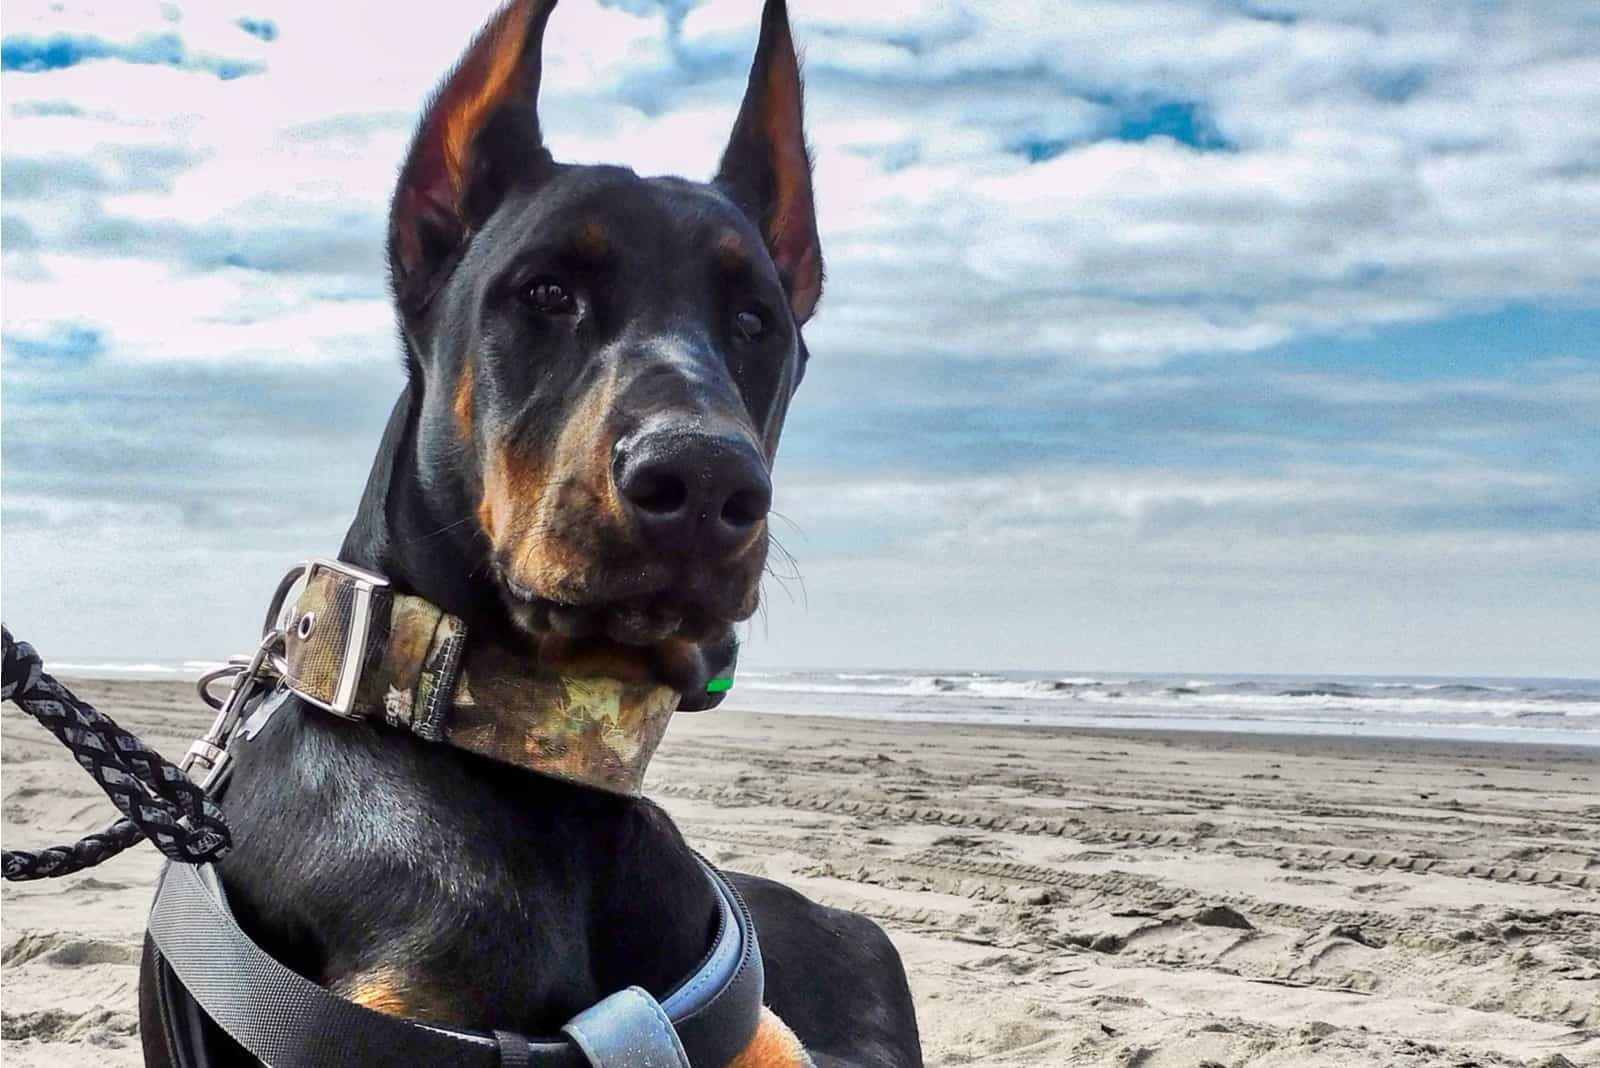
(629,1029)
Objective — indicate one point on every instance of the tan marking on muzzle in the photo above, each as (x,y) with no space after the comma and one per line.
(774,1046)
(543,517)
(512,485)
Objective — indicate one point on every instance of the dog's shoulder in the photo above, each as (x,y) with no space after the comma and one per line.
(834,977)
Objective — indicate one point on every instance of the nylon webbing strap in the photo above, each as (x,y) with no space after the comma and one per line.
(287,1020)
(717,1010)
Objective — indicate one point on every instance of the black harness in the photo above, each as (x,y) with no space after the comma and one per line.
(210,975)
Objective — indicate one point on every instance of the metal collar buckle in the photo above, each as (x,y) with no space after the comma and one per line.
(353,646)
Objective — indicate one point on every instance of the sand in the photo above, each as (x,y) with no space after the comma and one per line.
(1128,899)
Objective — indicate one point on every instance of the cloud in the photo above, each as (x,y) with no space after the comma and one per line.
(1118,188)
(263,445)
(107,169)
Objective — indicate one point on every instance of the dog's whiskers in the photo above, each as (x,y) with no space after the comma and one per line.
(796,527)
(444,529)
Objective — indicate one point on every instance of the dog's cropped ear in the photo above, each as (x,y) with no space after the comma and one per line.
(479,134)
(766,168)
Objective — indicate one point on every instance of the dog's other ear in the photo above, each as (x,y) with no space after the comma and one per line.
(479,134)
(766,168)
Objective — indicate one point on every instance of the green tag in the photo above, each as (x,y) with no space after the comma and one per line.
(719,685)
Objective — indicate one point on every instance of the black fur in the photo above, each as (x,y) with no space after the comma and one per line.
(497,898)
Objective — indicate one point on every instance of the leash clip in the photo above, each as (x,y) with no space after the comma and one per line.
(209,752)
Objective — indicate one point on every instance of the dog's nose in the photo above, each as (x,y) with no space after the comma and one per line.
(686,488)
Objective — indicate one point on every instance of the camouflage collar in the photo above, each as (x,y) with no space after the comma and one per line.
(358,649)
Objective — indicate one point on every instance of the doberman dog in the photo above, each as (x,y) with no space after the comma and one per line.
(599,367)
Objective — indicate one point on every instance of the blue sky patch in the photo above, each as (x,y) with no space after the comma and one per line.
(265,29)
(1499,342)
(63,342)
(1185,121)
(36,55)
(1394,85)
(1039,149)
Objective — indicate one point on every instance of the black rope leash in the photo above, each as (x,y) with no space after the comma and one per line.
(157,800)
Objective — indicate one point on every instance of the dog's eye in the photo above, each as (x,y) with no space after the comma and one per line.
(549,297)
(750,325)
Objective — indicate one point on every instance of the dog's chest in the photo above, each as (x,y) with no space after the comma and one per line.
(409,878)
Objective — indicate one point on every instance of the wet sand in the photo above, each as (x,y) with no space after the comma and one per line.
(1135,899)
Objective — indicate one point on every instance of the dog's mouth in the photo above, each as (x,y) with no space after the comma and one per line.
(659,638)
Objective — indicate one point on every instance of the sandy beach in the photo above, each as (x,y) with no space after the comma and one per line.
(1136,899)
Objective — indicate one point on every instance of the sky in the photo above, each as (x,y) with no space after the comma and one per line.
(1223,336)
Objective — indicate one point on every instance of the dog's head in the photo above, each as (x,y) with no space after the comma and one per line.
(605,360)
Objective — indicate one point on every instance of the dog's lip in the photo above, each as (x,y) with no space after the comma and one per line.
(638,639)
(643,619)
(637,622)
(517,590)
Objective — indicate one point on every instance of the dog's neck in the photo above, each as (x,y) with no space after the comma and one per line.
(420,532)
(410,529)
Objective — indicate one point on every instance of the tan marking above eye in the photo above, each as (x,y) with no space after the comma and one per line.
(731,251)
(592,240)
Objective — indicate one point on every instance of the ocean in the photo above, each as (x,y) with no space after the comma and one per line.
(1560,711)
(1499,709)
